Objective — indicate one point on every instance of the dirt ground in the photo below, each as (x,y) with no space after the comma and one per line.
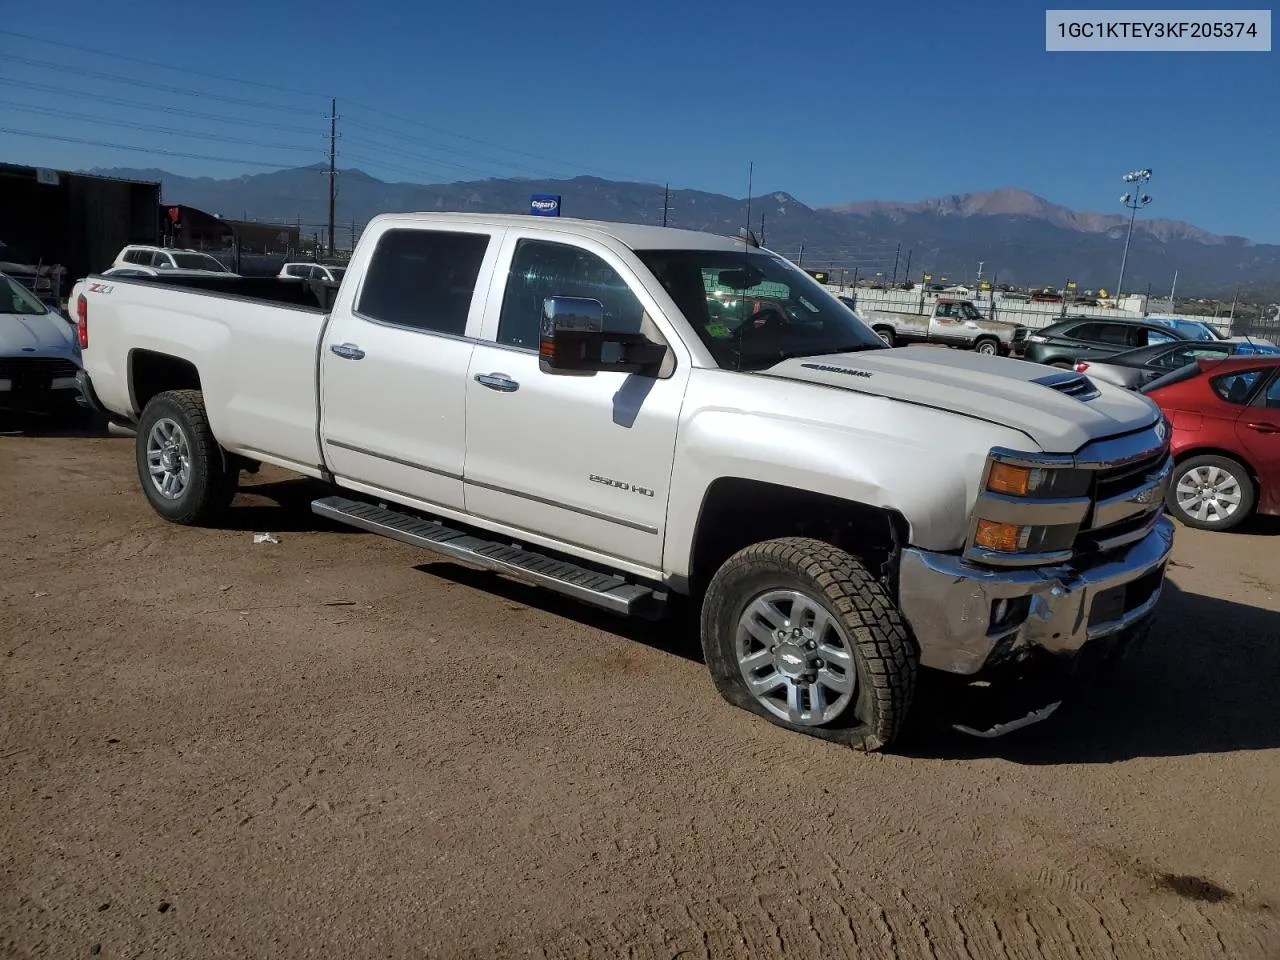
(337,746)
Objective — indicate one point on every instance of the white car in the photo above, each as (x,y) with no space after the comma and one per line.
(166,258)
(136,271)
(39,354)
(312,271)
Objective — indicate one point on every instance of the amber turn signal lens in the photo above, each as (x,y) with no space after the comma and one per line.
(1006,478)
(1001,537)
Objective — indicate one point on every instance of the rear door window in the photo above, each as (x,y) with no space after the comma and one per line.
(423,279)
(1112,334)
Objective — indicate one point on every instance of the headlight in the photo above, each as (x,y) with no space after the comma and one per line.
(1013,480)
(1029,509)
(1036,338)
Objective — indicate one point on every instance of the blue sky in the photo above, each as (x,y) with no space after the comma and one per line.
(850,101)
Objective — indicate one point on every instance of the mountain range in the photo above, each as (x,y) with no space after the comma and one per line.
(1019,237)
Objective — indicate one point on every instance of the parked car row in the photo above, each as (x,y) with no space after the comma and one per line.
(39,353)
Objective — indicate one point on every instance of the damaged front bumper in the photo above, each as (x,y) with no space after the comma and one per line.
(971,620)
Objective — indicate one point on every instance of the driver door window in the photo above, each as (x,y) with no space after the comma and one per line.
(542,269)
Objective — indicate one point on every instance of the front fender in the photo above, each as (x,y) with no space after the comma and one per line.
(920,462)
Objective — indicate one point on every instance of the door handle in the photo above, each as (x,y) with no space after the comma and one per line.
(497,381)
(347,351)
(1263,427)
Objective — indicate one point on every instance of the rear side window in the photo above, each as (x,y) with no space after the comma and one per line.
(1272,400)
(541,269)
(423,279)
(1109,333)
(1145,337)
(1236,387)
(1172,359)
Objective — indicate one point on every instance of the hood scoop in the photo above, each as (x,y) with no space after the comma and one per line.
(1072,384)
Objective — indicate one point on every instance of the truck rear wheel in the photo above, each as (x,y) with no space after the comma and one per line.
(799,632)
(887,335)
(181,467)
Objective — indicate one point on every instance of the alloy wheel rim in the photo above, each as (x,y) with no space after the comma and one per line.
(168,459)
(1209,494)
(796,657)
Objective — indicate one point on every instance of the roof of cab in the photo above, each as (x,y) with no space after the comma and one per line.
(637,236)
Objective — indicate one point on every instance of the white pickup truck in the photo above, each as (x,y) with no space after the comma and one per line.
(949,323)
(568,402)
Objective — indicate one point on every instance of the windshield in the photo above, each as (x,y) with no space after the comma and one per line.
(755,309)
(1191,329)
(197,261)
(338,272)
(15,298)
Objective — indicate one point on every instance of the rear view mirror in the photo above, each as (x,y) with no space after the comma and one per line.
(572,340)
(743,279)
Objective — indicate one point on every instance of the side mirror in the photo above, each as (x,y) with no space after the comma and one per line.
(572,340)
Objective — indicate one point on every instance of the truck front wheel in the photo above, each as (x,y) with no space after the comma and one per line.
(987,346)
(799,632)
(181,467)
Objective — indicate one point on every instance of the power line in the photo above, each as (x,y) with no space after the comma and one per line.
(152,150)
(63,45)
(151,85)
(496,146)
(360,124)
(152,128)
(186,91)
(412,155)
(158,108)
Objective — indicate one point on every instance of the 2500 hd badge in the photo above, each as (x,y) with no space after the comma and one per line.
(644,491)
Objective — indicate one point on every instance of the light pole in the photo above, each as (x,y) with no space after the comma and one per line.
(1133,201)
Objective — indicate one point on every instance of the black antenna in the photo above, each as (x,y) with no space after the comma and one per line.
(751,167)
(666,200)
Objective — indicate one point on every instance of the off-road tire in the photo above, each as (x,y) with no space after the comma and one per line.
(885,656)
(213,476)
(1248,492)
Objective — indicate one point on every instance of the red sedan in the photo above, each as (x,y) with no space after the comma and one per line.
(1226,439)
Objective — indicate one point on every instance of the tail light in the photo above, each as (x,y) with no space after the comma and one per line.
(1081,367)
(82,320)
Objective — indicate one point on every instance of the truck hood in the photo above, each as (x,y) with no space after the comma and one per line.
(996,389)
(31,335)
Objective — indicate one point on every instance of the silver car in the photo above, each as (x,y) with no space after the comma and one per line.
(1136,368)
(39,354)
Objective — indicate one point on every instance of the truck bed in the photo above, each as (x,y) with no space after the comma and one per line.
(251,344)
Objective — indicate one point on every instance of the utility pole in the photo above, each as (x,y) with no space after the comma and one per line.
(1173,289)
(333,169)
(762,228)
(896,253)
(666,202)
